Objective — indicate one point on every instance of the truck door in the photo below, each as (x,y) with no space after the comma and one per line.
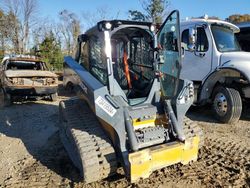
(169,43)
(197,64)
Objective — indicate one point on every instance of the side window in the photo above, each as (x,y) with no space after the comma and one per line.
(185,39)
(202,42)
(97,60)
(84,56)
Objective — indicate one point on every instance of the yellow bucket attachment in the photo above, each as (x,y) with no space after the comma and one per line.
(144,162)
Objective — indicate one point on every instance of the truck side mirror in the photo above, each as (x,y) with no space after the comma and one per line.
(192,39)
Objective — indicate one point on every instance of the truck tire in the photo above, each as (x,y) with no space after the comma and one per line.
(85,141)
(227,104)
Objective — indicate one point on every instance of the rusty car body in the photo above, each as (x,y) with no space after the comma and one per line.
(25,76)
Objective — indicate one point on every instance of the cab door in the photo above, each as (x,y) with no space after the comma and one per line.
(169,45)
(197,64)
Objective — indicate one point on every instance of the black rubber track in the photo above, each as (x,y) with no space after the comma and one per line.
(85,141)
(191,129)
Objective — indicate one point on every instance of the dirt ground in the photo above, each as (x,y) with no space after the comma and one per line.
(31,154)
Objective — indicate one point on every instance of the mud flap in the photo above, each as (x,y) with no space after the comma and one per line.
(144,162)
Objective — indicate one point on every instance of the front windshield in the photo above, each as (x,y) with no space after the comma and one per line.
(25,65)
(225,38)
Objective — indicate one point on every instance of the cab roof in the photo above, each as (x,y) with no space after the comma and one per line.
(22,58)
(118,23)
(210,21)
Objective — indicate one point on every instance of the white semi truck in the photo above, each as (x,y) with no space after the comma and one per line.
(214,61)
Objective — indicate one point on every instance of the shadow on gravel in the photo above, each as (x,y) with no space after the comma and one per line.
(36,125)
(201,113)
(246,111)
(205,113)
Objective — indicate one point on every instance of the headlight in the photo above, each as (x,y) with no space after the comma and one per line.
(16,81)
(108,26)
(50,81)
(152,28)
(104,26)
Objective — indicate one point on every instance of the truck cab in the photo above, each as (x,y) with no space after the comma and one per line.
(215,62)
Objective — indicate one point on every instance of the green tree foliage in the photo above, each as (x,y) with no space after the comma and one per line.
(136,15)
(153,11)
(238,18)
(50,52)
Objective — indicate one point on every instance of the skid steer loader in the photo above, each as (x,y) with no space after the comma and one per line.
(130,105)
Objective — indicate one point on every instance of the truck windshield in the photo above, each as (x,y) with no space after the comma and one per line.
(225,39)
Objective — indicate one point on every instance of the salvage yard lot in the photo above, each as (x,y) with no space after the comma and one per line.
(31,154)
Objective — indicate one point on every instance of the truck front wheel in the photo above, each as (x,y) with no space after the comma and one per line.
(227,104)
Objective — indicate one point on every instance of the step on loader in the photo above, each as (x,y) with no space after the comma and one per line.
(130,106)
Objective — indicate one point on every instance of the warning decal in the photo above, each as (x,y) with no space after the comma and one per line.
(103,104)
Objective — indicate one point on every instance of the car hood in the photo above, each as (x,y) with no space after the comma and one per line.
(29,73)
(237,60)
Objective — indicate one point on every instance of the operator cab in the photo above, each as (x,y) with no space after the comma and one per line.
(133,57)
(123,55)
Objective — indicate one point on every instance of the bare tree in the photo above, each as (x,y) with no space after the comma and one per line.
(70,29)
(12,26)
(101,13)
(29,9)
(44,28)
(3,34)
(24,11)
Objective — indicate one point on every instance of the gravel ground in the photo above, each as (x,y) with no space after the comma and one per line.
(31,154)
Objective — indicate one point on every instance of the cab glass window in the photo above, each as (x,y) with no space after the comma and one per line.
(184,39)
(97,60)
(84,56)
(202,42)
(225,38)
(169,40)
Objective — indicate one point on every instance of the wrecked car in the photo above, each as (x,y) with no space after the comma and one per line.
(24,76)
